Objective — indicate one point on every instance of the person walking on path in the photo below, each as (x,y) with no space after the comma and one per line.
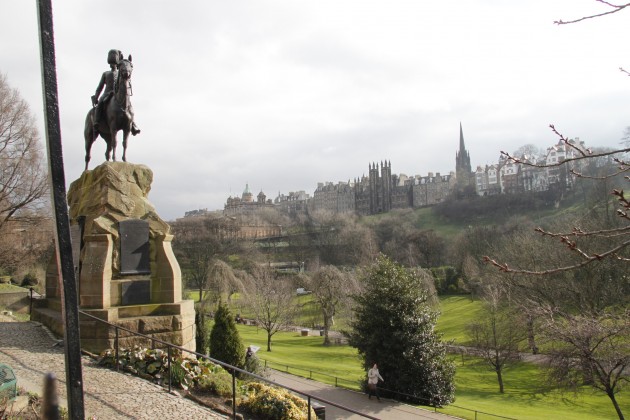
(373,377)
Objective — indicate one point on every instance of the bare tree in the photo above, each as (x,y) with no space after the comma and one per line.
(616,239)
(582,314)
(200,242)
(590,350)
(332,288)
(497,336)
(587,244)
(222,281)
(271,297)
(358,244)
(528,151)
(26,246)
(23,179)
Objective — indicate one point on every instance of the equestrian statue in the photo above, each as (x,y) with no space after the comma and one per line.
(111,112)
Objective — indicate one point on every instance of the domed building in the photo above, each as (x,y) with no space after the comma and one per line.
(245,205)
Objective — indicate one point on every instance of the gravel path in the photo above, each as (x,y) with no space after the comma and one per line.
(33,352)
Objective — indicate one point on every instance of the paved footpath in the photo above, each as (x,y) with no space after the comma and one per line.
(31,351)
(385,409)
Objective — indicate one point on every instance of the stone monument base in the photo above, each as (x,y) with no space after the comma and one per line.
(127,273)
(170,322)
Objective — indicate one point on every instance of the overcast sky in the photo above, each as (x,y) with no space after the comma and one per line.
(285,94)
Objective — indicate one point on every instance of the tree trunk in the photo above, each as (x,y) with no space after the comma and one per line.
(500,379)
(326,327)
(531,336)
(268,342)
(611,395)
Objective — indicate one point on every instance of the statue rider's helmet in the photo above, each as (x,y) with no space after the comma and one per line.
(113,57)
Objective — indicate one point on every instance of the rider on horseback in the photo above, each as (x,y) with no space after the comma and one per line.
(108,81)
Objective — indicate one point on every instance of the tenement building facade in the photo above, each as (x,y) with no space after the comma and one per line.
(532,173)
(381,191)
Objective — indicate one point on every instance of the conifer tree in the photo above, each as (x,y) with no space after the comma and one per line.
(394,327)
(225,341)
(201,333)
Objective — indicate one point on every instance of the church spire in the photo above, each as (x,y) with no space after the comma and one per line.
(463,168)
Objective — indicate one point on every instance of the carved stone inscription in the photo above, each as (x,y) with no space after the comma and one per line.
(134,247)
(136,292)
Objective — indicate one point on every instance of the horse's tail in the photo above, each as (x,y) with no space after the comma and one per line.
(89,124)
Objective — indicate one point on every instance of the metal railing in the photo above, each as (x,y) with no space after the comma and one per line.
(231,369)
(355,385)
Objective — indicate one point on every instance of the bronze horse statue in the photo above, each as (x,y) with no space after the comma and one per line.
(116,116)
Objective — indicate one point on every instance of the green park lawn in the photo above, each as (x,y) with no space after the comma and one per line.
(526,394)
(306,356)
(10,288)
(455,313)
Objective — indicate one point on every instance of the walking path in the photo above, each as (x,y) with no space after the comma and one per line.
(32,353)
(385,409)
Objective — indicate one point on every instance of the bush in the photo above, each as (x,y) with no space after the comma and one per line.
(152,364)
(274,403)
(253,365)
(30,280)
(219,383)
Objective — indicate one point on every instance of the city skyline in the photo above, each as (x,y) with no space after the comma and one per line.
(284,94)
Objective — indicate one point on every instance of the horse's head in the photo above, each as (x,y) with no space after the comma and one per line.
(125,68)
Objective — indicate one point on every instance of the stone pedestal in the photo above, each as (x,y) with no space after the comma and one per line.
(146,298)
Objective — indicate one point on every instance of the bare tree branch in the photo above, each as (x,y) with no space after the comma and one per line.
(588,154)
(588,259)
(615,8)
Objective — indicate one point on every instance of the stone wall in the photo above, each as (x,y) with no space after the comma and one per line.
(15,301)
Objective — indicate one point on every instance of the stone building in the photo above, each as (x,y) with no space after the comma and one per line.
(532,173)
(381,191)
(373,194)
(335,198)
(245,205)
(431,190)
(487,180)
(292,203)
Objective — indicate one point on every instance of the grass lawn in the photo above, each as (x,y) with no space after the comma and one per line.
(9,288)
(307,353)
(455,313)
(309,315)
(525,397)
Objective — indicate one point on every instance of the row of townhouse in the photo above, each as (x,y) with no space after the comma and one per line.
(532,173)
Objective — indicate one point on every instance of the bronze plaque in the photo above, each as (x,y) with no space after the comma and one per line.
(136,292)
(134,247)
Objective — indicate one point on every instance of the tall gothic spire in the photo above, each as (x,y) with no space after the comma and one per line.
(462,161)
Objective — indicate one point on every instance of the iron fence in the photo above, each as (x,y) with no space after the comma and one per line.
(356,385)
(232,369)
